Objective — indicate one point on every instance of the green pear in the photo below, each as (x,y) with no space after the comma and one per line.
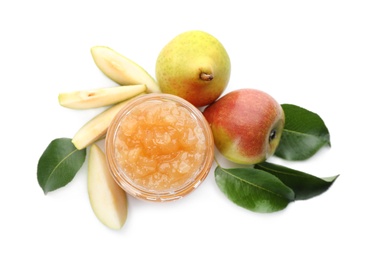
(121,69)
(195,66)
(84,99)
(107,199)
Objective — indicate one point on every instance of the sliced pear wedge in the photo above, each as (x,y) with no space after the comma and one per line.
(85,99)
(107,199)
(96,128)
(121,69)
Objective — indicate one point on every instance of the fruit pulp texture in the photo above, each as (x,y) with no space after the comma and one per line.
(160,145)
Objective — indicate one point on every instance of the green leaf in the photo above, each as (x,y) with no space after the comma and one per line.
(59,164)
(303,135)
(253,189)
(304,185)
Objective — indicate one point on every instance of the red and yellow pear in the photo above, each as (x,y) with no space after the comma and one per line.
(247,125)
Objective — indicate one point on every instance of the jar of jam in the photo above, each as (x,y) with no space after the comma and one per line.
(159,147)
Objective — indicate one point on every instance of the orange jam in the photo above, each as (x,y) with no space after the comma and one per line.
(159,147)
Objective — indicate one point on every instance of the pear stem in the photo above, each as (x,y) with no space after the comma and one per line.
(206,77)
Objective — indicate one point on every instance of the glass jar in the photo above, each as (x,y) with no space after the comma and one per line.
(159,147)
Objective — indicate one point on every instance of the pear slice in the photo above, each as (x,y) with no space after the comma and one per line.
(85,99)
(96,128)
(107,199)
(121,69)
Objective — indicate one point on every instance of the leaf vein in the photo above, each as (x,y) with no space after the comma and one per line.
(61,162)
(252,184)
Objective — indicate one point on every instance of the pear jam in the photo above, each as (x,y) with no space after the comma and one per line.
(161,148)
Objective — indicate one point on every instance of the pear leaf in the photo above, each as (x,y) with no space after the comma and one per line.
(59,164)
(253,189)
(304,134)
(303,184)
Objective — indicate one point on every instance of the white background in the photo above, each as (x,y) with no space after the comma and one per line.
(316,54)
